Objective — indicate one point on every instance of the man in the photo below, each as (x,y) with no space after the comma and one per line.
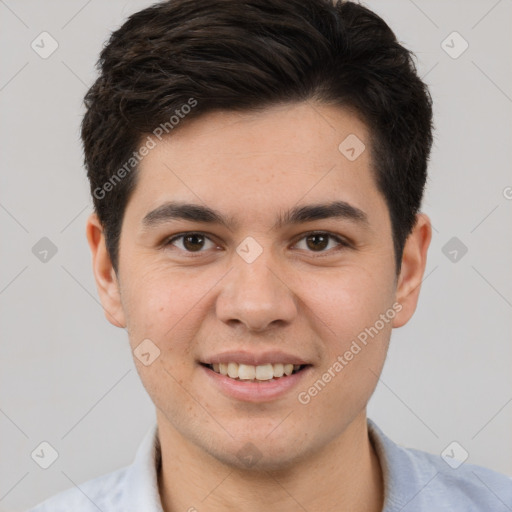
(257,170)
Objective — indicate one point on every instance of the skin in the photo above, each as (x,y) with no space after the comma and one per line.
(297,296)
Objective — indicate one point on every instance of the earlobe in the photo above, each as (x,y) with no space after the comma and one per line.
(104,274)
(414,261)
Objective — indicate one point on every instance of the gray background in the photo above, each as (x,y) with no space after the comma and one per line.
(67,375)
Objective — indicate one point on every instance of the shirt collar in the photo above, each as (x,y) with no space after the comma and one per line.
(403,476)
(141,491)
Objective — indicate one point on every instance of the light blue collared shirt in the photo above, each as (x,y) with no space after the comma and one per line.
(414,481)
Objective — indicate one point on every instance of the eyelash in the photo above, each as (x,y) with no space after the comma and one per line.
(343,244)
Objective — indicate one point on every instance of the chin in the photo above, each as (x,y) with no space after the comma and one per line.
(259,453)
(251,459)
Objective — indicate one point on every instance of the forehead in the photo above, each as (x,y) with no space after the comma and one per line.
(246,164)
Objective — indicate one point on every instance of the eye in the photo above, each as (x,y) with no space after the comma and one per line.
(190,242)
(318,241)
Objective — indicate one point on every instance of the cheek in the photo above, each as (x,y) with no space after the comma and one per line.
(161,304)
(349,300)
(351,303)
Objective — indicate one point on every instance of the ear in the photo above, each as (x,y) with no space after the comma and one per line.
(414,261)
(104,274)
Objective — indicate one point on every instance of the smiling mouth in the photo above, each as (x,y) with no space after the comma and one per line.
(260,373)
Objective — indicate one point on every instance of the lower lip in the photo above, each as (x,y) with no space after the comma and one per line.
(262,391)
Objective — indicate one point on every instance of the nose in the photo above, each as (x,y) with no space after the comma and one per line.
(256,295)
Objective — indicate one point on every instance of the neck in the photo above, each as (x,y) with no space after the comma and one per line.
(344,476)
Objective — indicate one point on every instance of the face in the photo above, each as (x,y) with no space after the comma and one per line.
(286,258)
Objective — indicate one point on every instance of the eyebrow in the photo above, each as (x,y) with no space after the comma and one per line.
(174,210)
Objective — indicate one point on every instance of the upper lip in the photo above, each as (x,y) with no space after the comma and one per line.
(254,358)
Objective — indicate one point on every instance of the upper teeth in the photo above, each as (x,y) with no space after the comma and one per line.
(250,372)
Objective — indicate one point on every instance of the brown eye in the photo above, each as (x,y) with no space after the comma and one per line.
(193,242)
(318,242)
(190,242)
